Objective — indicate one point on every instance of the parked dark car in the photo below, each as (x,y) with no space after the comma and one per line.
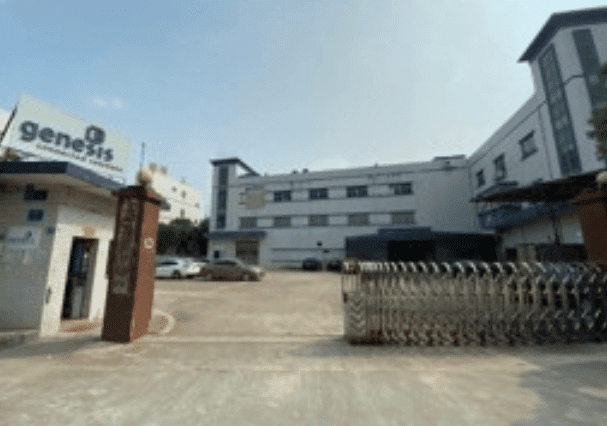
(232,269)
(334,265)
(311,264)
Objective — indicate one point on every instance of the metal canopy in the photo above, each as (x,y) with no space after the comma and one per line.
(558,190)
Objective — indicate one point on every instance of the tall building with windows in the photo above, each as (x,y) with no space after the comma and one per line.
(284,219)
(182,201)
(546,140)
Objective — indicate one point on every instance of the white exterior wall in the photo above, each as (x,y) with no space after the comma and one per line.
(172,190)
(544,164)
(434,188)
(84,216)
(27,277)
(23,272)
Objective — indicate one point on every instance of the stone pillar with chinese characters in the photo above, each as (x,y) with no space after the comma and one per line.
(128,305)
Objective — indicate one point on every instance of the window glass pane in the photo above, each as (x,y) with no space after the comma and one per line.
(500,167)
(221,199)
(480,178)
(248,222)
(282,196)
(528,146)
(404,218)
(402,188)
(356,191)
(319,220)
(221,221)
(358,219)
(318,193)
(282,221)
(223,176)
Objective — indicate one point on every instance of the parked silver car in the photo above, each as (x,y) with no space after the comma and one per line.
(176,268)
(232,269)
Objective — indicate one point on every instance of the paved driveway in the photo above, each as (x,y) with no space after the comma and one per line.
(270,353)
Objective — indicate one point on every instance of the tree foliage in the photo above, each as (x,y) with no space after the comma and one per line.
(182,238)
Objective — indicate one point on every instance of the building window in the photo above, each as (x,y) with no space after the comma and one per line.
(528,146)
(174,189)
(480,178)
(182,213)
(280,196)
(223,176)
(248,222)
(558,107)
(318,220)
(183,194)
(356,191)
(318,193)
(221,221)
(222,199)
(32,195)
(500,168)
(402,188)
(35,215)
(403,218)
(358,219)
(282,222)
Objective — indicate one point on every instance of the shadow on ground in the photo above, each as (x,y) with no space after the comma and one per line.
(571,382)
(54,347)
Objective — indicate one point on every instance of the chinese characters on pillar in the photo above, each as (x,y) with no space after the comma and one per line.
(126,246)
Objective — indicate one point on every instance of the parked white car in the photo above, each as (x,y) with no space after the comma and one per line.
(177,268)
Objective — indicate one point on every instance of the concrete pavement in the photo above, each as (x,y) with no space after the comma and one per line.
(271,353)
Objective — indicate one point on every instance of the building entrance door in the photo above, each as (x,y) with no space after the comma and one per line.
(79,283)
(248,251)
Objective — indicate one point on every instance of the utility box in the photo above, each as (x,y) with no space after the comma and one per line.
(592,212)
(128,308)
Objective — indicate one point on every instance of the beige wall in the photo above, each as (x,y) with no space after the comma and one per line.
(32,282)
(23,272)
(80,215)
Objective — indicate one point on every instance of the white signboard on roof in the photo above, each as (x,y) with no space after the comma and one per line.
(45,131)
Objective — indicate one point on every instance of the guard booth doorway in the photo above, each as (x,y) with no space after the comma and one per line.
(410,251)
(80,273)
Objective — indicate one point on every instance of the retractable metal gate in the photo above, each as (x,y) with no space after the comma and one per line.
(467,302)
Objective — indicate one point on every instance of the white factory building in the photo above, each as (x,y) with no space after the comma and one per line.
(546,139)
(283,219)
(419,210)
(182,201)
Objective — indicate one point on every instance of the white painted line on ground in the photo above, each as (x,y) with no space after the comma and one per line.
(170,319)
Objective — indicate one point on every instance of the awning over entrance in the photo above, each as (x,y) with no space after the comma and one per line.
(558,190)
(57,173)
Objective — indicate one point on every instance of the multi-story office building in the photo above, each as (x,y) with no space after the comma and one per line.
(181,200)
(283,219)
(546,139)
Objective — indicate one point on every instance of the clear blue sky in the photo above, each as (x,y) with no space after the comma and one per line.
(283,85)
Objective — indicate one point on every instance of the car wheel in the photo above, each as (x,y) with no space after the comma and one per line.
(176,275)
(247,277)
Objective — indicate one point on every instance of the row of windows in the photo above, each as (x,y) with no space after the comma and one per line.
(354,219)
(528,148)
(351,192)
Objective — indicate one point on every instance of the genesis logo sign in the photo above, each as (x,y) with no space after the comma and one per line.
(90,146)
(46,132)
